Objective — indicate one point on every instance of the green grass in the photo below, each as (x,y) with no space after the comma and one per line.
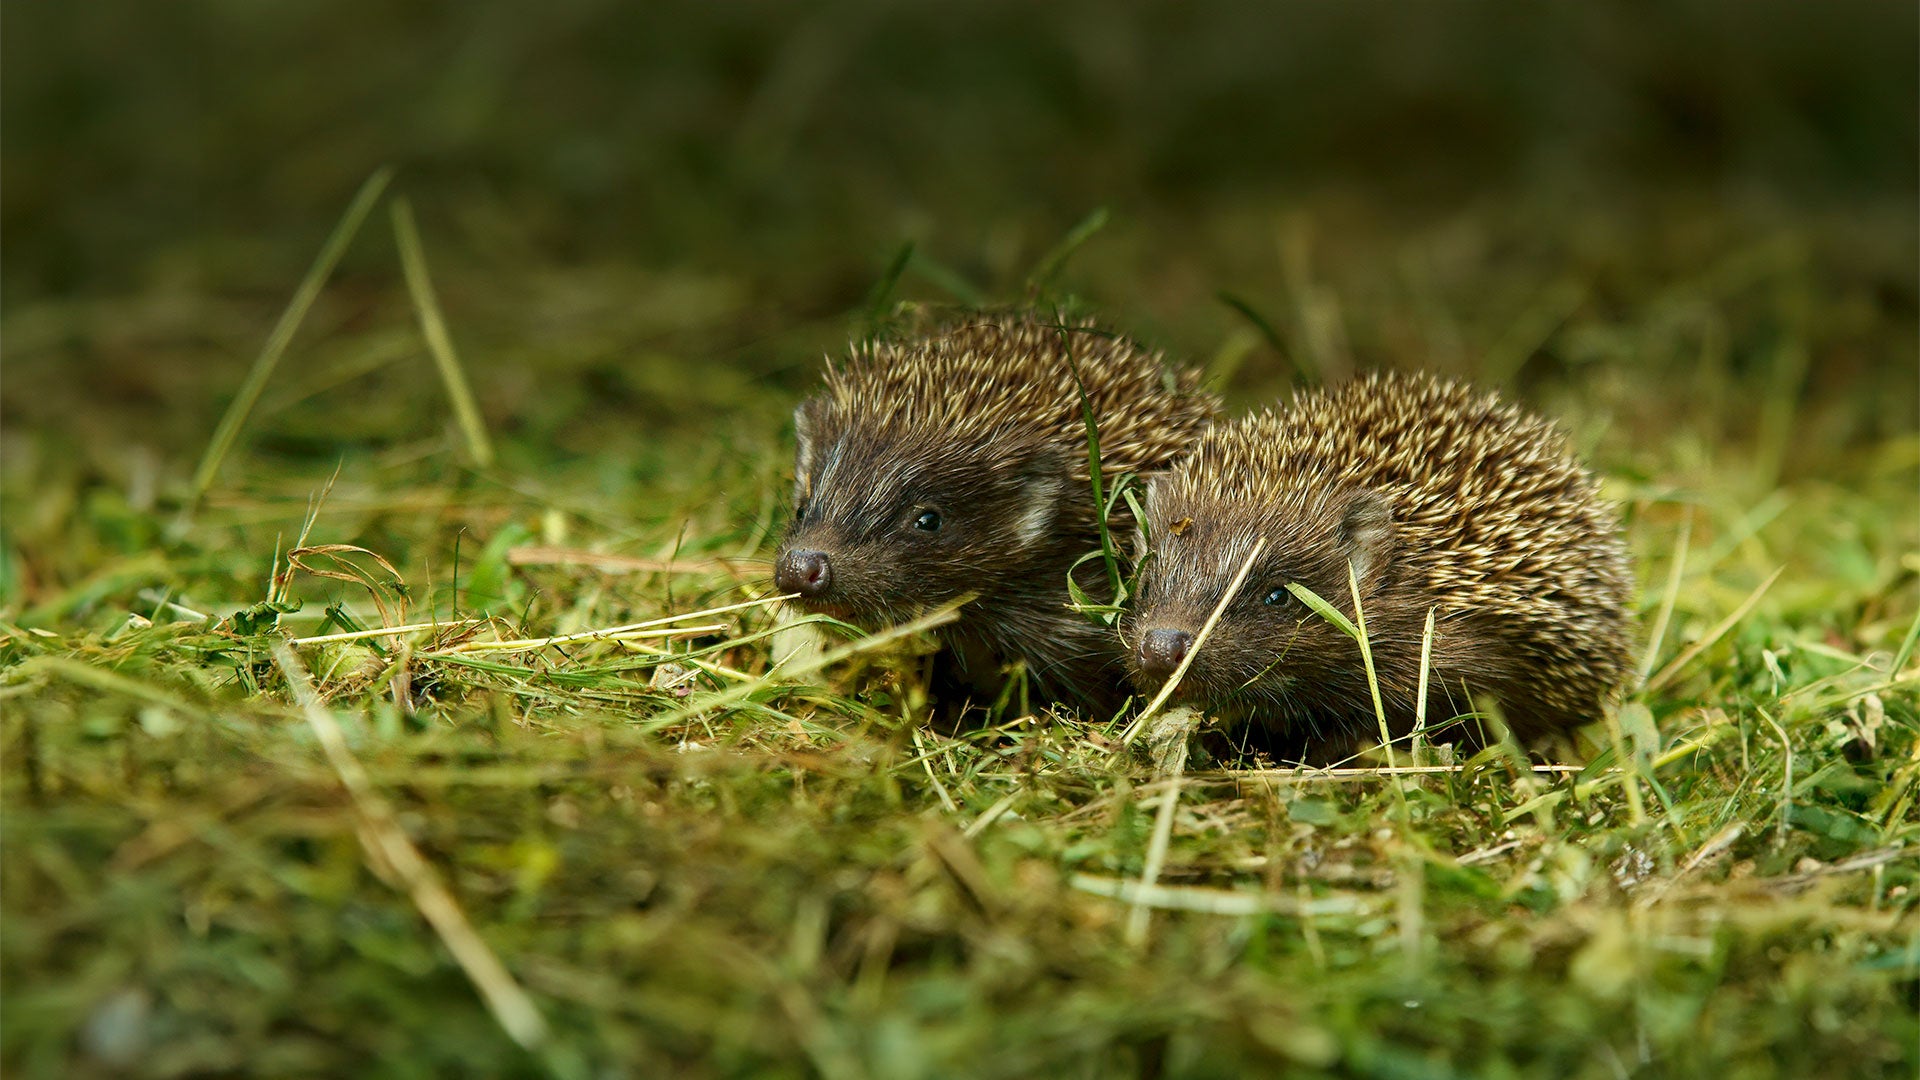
(603,816)
(674,859)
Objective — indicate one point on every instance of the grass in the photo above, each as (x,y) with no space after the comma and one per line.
(637,845)
(566,798)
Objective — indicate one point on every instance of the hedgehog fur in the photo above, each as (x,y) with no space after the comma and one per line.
(956,463)
(1440,497)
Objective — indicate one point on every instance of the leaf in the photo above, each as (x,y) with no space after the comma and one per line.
(490,584)
(1833,824)
(1051,264)
(261,618)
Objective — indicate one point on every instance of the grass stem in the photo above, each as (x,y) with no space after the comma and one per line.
(387,842)
(433,326)
(283,331)
(1199,640)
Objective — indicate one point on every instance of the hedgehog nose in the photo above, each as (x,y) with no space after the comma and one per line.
(805,572)
(1162,650)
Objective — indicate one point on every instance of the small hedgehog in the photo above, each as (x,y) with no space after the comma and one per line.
(957,463)
(1440,498)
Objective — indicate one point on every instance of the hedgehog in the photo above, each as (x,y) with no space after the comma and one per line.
(957,463)
(1440,498)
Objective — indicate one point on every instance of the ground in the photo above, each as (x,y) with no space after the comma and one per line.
(470,849)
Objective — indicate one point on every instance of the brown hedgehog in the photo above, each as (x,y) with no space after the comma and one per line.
(1440,498)
(957,463)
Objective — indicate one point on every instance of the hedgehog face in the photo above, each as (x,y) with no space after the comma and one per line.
(1270,655)
(889,523)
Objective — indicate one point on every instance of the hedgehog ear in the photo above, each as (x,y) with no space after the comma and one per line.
(1366,532)
(1042,488)
(803,443)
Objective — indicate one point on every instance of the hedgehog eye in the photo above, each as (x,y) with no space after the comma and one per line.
(928,521)
(1277,597)
(799,512)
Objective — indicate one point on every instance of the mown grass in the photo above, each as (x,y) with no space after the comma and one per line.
(686,862)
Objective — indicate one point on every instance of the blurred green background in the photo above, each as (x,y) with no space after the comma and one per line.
(613,195)
(726,136)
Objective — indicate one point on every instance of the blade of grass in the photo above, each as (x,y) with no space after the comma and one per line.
(283,331)
(384,631)
(1308,375)
(1615,775)
(991,814)
(533,555)
(947,279)
(1669,596)
(413,263)
(882,291)
(1686,656)
(1050,265)
(1720,842)
(94,677)
(509,1004)
(926,762)
(1206,901)
(1373,684)
(1140,918)
(1786,776)
(1336,774)
(1366,657)
(1200,639)
(1420,693)
(606,634)
(616,634)
(1630,766)
(1323,609)
(720,699)
(1901,657)
(1107,553)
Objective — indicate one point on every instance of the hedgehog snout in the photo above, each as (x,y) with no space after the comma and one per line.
(804,571)
(1161,650)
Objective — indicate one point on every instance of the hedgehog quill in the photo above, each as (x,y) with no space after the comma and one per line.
(957,464)
(1438,497)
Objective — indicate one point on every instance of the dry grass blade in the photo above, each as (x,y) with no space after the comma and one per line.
(1214,901)
(991,814)
(509,1004)
(938,617)
(1200,639)
(628,633)
(1139,919)
(385,631)
(926,762)
(1420,691)
(619,564)
(413,263)
(615,633)
(1308,772)
(389,597)
(296,313)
